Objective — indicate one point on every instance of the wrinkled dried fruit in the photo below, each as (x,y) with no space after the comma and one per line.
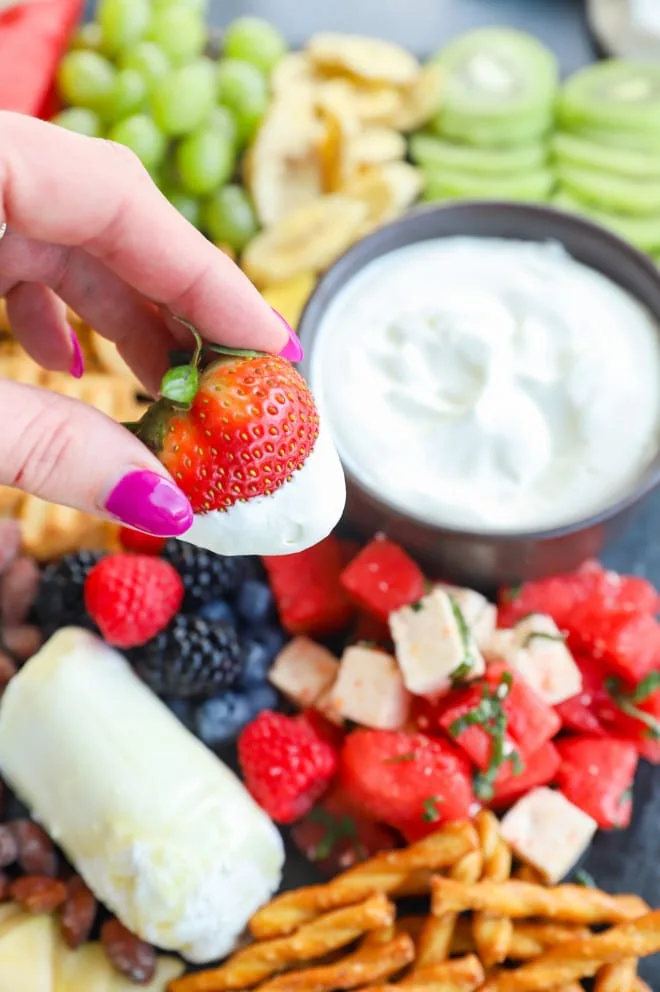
(38,893)
(10,542)
(19,590)
(7,669)
(8,847)
(22,641)
(36,853)
(4,887)
(78,914)
(127,953)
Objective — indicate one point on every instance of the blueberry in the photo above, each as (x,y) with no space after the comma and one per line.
(220,719)
(263,697)
(182,711)
(217,611)
(256,661)
(272,638)
(254,602)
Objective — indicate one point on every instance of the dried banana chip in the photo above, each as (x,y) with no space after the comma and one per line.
(387,190)
(294,73)
(340,126)
(307,240)
(375,145)
(370,102)
(283,169)
(290,297)
(420,101)
(371,59)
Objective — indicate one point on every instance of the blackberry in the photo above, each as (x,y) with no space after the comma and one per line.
(190,659)
(60,601)
(206,576)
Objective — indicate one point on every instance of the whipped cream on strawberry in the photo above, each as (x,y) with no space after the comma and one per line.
(294,517)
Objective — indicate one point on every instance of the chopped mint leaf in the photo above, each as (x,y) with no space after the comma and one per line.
(431,813)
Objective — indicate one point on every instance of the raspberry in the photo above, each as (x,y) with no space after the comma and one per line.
(397,778)
(286,764)
(131,598)
(144,544)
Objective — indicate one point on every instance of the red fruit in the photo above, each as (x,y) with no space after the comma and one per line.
(242,432)
(597,775)
(531,721)
(383,578)
(592,708)
(396,778)
(131,598)
(336,835)
(287,765)
(307,590)
(136,540)
(538,769)
(627,643)
(474,740)
(638,720)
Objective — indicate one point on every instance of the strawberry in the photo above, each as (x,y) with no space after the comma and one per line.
(144,544)
(131,598)
(286,764)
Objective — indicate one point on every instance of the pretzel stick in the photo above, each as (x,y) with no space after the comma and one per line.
(581,958)
(460,975)
(412,926)
(492,932)
(641,986)
(387,873)
(364,966)
(528,940)
(438,931)
(527,873)
(259,961)
(518,900)
(617,977)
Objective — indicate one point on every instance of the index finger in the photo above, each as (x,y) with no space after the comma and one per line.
(72,190)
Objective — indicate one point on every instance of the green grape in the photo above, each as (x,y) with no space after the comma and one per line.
(85,79)
(204,160)
(128,96)
(183,101)
(88,35)
(180,32)
(229,217)
(222,121)
(187,205)
(198,6)
(141,135)
(123,22)
(149,60)
(80,120)
(244,90)
(254,40)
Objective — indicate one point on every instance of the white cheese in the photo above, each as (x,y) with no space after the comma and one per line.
(500,645)
(548,832)
(304,671)
(369,689)
(539,653)
(480,615)
(433,643)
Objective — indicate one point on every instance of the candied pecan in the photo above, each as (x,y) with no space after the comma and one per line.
(78,913)
(38,893)
(127,953)
(36,853)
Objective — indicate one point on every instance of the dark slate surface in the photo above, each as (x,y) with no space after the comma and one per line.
(620,861)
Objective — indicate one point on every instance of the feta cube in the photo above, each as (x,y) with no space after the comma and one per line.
(540,654)
(434,644)
(480,615)
(548,832)
(303,671)
(501,646)
(369,689)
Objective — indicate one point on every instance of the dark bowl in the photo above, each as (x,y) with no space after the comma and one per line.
(485,560)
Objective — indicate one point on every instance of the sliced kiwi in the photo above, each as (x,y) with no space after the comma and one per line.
(634,141)
(613,94)
(622,195)
(497,72)
(505,132)
(533,185)
(430,152)
(571,149)
(642,232)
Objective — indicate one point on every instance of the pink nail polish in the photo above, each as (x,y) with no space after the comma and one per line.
(293,350)
(149,502)
(77,366)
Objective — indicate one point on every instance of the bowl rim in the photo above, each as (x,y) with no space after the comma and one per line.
(377,243)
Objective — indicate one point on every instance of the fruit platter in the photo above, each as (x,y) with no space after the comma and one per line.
(226,765)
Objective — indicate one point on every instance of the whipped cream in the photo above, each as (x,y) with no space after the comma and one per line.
(296,516)
(490,384)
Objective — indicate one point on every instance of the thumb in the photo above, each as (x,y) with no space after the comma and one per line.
(67,452)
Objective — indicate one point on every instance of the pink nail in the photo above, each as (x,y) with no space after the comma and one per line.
(292,350)
(149,502)
(77,366)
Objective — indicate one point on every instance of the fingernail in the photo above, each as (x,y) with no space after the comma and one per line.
(293,350)
(77,366)
(149,502)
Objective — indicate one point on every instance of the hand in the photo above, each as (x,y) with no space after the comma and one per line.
(88,228)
